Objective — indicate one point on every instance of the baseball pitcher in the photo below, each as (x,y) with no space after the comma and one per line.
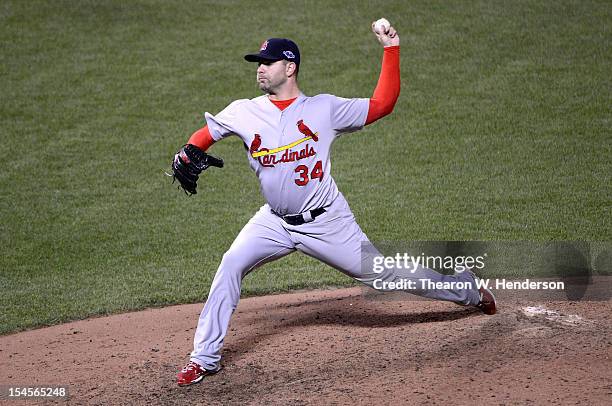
(288,137)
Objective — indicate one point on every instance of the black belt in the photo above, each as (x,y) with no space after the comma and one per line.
(299,219)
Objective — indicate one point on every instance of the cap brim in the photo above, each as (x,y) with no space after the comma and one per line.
(258,58)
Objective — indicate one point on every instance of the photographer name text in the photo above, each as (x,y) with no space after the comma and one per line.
(498,284)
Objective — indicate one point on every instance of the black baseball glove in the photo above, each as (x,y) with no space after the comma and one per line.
(188,164)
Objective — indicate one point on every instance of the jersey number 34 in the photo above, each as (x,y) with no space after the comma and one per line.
(302,170)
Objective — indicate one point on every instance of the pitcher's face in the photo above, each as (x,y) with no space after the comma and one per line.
(271,76)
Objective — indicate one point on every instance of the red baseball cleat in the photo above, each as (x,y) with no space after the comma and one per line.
(487,301)
(192,373)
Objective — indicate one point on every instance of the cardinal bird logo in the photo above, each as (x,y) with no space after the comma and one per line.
(303,128)
(255,144)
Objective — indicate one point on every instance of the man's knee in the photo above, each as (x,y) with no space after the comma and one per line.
(237,263)
(228,277)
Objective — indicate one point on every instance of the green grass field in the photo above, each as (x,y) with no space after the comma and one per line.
(502,132)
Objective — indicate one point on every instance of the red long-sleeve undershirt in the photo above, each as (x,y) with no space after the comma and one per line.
(381,103)
(201,138)
(388,88)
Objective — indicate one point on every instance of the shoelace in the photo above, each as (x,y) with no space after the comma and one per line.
(192,366)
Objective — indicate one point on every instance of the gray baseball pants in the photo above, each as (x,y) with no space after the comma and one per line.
(334,237)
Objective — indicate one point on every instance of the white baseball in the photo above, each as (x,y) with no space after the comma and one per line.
(382,26)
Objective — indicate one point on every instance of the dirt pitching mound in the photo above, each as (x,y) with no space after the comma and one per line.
(345,346)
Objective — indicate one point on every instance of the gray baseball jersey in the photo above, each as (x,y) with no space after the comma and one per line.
(289,149)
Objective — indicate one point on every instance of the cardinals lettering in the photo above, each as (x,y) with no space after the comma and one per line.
(269,158)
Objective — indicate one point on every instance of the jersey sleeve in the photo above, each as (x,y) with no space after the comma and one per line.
(225,122)
(348,115)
